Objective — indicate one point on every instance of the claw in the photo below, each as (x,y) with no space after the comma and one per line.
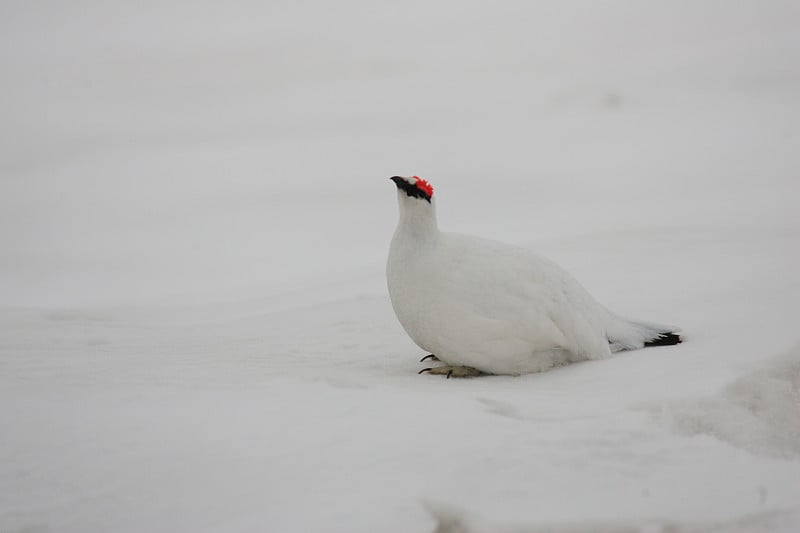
(452,371)
(431,356)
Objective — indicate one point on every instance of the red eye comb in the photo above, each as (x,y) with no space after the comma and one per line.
(424,186)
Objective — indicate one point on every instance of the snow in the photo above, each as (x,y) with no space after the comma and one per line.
(195,333)
(759,412)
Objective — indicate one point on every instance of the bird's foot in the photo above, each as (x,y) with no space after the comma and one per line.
(453,371)
(430,356)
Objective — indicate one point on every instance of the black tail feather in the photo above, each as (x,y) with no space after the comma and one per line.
(665,339)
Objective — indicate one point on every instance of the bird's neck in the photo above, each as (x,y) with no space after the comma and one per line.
(417,220)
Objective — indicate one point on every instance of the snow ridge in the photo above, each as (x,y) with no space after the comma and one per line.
(759,412)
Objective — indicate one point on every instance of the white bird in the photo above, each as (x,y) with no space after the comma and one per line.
(484,307)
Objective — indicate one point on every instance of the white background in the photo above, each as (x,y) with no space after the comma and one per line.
(194,216)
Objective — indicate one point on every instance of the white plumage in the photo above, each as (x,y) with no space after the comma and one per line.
(494,307)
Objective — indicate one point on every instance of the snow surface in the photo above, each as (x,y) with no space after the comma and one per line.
(195,333)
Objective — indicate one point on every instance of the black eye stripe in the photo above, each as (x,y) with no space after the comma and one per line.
(410,189)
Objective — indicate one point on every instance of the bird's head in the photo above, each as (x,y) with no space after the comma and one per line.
(417,206)
(413,188)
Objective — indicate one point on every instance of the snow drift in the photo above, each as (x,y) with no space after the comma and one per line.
(759,412)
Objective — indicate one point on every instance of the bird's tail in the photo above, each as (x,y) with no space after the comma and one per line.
(626,334)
